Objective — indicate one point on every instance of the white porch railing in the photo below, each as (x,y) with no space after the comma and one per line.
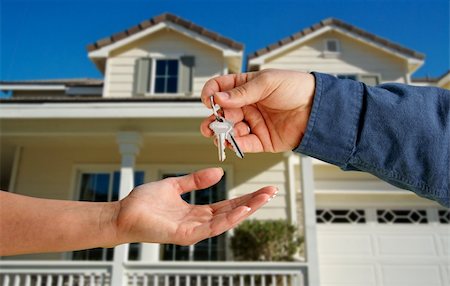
(54,273)
(68,273)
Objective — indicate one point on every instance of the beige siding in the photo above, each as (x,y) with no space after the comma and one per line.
(355,58)
(49,164)
(209,62)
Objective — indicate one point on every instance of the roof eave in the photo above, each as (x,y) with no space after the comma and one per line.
(105,51)
(256,60)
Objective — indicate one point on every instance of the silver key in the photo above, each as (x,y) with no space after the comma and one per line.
(221,130)
(230,139)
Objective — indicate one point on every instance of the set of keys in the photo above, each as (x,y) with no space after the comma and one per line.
(223,130)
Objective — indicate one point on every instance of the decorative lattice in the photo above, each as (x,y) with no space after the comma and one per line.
(444,216)
(402,216)
(340,216)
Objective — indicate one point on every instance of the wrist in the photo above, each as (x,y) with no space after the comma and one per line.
(108,224)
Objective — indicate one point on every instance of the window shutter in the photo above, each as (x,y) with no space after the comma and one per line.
(142,76)
(187,74)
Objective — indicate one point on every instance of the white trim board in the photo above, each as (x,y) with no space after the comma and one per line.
(104,52)
(262,59)
(32,87)
(104,110)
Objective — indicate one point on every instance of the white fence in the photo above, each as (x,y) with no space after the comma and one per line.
(68,273)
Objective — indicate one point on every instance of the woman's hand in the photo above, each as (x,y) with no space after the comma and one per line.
(155,212)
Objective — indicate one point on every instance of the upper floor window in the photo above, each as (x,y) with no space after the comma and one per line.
(332,46)
(166,76)
(347,76)
(368,79)
(156,76)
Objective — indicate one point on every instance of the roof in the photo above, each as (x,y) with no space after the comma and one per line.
(162,18)
(62,81)
(430,79)
(341,24)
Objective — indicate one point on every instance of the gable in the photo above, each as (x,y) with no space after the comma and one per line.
(354,57)
(257,59)
(102,49)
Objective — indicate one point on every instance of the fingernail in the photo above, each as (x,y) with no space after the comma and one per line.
(269,199)
(248,209)
(223,95)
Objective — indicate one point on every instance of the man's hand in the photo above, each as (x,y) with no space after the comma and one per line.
(270,108)
(155,212)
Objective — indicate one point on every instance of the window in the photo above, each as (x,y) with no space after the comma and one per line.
(444,216)
(331,47)
(158,76)
(340,216)
(402,216)
(347,76)
(103,187)
(211,249)
(369,79)
(166,76)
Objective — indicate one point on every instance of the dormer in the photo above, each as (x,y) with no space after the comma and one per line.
(344,50)
(165,56)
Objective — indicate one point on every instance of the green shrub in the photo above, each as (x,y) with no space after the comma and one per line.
(268,240)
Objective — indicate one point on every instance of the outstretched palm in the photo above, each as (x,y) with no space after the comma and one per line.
(155,212)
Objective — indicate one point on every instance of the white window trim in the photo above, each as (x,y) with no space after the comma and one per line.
(377,75)
(326,52)
(153,75)
(360,75)
(157,171)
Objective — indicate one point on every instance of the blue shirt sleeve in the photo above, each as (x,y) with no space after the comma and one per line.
(397,132)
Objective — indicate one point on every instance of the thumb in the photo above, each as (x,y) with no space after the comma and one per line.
(248,93)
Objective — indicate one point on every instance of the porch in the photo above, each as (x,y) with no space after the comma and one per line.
(68,273)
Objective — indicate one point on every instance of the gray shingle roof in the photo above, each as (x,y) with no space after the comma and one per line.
(161,18)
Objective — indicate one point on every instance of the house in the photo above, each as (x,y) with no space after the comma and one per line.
(87,139)
(368,232)
(442,81)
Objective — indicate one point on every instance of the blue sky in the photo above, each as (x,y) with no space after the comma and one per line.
(47,39)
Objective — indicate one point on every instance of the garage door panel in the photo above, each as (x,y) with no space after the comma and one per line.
(445,244)
(406,245)
(353,275)
(342,244)
(383,247)
(411,275)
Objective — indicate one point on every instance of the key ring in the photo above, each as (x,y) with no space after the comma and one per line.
(216,108)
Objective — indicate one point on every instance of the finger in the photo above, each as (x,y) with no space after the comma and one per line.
(204,126)
(227,205)
(241,129)
(233,114)
(250,92)
(198,180)
(227,220)
(223,83)
(250,143)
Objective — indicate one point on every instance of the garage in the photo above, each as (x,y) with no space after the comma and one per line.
(375,243)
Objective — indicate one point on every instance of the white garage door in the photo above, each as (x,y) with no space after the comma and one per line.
(379,246)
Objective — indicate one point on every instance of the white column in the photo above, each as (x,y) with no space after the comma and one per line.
(291,194)
(309,214)
(15,169)
(129,144)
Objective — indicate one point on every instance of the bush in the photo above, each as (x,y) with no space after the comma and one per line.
(268,240)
